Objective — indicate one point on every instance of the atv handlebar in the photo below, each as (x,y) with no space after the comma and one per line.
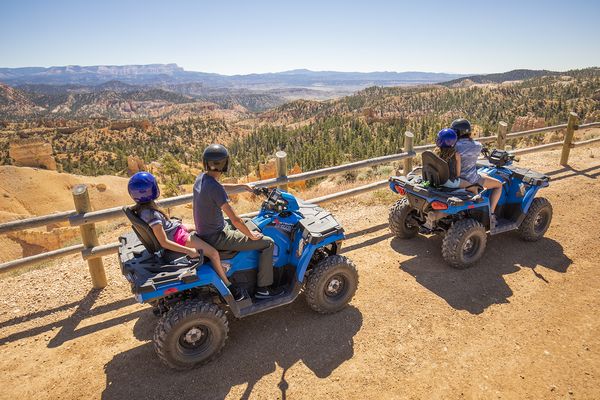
(497,157)
(274,200)
(258,191)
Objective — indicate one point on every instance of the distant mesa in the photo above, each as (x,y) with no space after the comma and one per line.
(172,73)
(514,75)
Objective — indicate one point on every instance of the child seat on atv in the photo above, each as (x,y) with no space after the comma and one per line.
(435,170)
(144,233)
(147,265)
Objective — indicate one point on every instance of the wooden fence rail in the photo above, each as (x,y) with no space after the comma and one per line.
(92,252)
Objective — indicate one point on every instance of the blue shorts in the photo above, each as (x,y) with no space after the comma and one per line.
(452,184)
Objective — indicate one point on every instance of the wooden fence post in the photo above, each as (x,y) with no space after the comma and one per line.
(282,168)
(502,129)
(89,237)
(408,146)
(572,125)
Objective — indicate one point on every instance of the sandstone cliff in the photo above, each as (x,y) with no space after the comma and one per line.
(32,153)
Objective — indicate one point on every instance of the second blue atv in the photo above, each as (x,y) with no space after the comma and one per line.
(192,300)
(463,218)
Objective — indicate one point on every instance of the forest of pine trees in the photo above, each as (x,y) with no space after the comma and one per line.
(318,134)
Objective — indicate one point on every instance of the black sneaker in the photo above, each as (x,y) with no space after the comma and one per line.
(237,293)
(493,220)
(267,293)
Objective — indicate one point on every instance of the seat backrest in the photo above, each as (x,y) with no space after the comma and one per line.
(143,232)
(435,170)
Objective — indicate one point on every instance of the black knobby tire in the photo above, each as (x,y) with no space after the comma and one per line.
(537,221)
(464,243)
(331,284)
(176,333)
(399,213)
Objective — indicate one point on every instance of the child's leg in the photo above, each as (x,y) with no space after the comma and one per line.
(212,254)
(464,184)
(492,183)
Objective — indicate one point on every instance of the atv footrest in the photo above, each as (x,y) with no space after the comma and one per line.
(256,306)
(503,225)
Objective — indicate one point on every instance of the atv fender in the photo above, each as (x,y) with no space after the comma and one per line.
(206,276)
(528,198)
(309,251)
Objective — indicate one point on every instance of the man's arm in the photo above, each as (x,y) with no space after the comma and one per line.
(229,187)
(239,223)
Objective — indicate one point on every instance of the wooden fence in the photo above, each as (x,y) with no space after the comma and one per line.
(85,218)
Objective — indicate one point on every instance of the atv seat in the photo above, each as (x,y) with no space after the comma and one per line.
(435,170)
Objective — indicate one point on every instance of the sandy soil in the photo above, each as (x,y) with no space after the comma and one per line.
(521,324)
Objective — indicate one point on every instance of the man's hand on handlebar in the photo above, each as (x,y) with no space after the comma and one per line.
(260,191)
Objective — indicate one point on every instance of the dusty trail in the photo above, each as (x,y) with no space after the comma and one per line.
(521,324)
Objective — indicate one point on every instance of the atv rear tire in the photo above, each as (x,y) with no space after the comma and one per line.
(331,284)
(399,213)
(190,334)
(464,243)
(537,221)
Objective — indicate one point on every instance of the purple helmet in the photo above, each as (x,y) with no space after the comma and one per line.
(446,138)
(142,187)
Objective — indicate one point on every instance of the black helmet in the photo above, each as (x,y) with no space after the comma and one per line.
(215,158)
(462,127)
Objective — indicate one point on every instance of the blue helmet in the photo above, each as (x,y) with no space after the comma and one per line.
(446,138)
(142,187)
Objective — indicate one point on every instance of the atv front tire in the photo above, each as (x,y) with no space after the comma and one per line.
(331,284)
(190,334)
(464,243)
(537,221)
(398,216)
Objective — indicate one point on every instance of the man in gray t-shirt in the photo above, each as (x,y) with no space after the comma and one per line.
(469,151)
(209,197)
(210,201)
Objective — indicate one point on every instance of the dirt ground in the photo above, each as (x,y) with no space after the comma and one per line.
(523,323)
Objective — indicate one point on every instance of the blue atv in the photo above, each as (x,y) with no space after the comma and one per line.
(464,218)
(192,300)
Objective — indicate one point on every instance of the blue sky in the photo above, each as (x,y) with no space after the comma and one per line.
(234,37)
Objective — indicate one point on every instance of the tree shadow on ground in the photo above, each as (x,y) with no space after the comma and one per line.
(369,242)
(255,346)
(476,288)
(68,327)
(570,172)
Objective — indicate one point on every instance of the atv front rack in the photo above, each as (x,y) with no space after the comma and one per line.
(318,224)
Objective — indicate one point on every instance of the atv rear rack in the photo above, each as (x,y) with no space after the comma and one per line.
(147,272)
